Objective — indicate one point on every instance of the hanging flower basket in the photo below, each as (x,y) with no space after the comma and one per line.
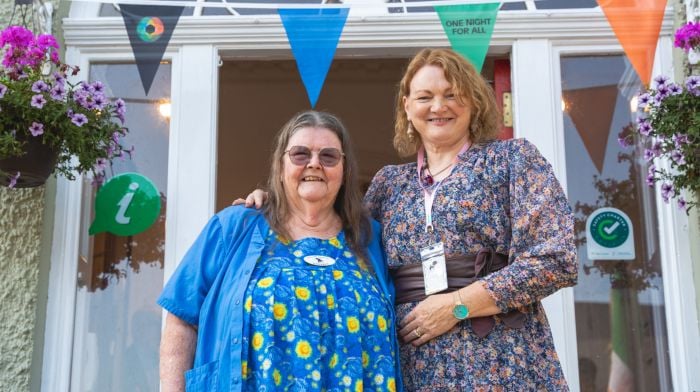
(669,128)
(34,166)
(48,124)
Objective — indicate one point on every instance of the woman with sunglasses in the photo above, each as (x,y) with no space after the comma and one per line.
(293,297)
(476,232)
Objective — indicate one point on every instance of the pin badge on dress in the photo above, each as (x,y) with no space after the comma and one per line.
(318,260)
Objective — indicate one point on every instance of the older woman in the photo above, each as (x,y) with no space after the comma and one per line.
(476,232)
(294,298)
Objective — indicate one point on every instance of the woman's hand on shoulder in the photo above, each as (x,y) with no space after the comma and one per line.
(431,318)
(257,198)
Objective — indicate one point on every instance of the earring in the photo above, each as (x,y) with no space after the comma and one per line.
(472,128)
(411,133)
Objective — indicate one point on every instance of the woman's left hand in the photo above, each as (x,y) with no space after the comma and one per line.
(431,318)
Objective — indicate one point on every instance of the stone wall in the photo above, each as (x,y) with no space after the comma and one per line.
(25,238)
(21,216)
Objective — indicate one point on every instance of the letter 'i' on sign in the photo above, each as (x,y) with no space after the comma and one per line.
(127,204)
(469,28)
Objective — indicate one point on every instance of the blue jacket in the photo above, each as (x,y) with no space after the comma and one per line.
(208,286)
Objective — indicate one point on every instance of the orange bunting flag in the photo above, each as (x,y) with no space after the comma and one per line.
(637,24)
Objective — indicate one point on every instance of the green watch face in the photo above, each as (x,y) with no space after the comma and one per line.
(460,311)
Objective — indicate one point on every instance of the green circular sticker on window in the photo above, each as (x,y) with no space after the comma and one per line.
(127,204)
(609,229)
(609,235)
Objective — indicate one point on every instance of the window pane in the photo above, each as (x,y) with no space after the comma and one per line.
(513,6)
(620,324)
(562,4)
(110,9)
(117,323)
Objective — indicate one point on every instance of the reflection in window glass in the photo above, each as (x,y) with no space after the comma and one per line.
(117,323)
(620,324)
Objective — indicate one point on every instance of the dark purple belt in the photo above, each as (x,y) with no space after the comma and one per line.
(461,271)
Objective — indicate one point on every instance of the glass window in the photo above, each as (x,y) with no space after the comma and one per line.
(117,323)
(563,4)
(110,9)
(513,6)
(620,324)
(253,11)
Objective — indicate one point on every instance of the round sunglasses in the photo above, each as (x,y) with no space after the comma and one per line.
(327,156)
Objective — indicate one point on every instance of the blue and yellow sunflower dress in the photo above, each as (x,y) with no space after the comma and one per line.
(315,319)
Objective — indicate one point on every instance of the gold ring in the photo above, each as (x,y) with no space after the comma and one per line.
(417,332)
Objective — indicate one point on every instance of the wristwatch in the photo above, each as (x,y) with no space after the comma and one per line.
(460,310)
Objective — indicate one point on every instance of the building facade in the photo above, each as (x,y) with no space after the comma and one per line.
(81,313)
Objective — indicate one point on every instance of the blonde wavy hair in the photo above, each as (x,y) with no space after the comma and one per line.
(466,83)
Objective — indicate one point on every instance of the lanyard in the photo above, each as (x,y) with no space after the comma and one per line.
(429,197)
(428,201)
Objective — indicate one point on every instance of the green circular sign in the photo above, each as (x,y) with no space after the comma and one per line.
(609,229)
(125,205)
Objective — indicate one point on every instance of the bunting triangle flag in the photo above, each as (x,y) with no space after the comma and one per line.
(469,28)
(591,110)
(637,24)
(313,35)
(149,29)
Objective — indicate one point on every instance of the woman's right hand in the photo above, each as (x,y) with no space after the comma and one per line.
(257,198)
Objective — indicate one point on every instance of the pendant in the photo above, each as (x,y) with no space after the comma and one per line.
(428,180)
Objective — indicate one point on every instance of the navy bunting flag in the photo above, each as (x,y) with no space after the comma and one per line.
(149,28)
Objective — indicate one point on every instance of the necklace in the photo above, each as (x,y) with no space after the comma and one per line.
(429,178)
(426,179)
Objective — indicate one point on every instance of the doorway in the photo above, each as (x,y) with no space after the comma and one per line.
(256,97)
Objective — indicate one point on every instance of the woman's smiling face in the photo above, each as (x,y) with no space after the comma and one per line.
(435,110)
(312,182)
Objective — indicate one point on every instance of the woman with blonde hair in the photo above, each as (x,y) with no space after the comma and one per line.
(494,217)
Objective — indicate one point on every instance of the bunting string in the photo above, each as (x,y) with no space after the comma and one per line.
(224,4)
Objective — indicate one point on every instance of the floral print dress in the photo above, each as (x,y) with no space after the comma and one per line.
(313,327)
(504,195)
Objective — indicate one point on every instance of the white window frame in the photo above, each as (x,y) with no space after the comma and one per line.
(679,288)
(194,50)
(192,139)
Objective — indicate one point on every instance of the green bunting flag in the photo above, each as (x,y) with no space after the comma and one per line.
(469,28)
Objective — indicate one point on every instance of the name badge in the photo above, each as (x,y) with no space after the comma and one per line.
(320,261)
(434,269)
